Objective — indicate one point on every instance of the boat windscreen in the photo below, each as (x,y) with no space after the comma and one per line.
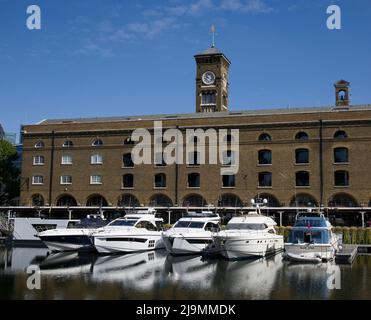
(316,222)
(123,222)
(309,236)
(246,226)
(189,224)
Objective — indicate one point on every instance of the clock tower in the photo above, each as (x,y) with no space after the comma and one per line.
(212,81)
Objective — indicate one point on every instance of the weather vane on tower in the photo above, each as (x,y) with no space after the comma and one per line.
(213,32)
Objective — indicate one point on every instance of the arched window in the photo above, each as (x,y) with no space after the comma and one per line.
(265,157)
(97,143)
(341,95)
(341,178)
(265,179)
(96,200)
(160,180)
(301,136)
(193,180)
(342,200)
(39,144)
(265,137)
(340,134)
(160,200)
(67,144)
(66,201)
(303,200)
(229,200)
(37,200)
(194,200)
(127,160)
(341,155)
(128,200)
(301,156)
(302,179)
(128,181)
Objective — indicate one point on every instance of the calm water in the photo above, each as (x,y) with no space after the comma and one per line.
(155,275)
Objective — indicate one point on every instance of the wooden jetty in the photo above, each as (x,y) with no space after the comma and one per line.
(347,254)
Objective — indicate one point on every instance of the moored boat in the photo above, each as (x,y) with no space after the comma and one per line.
(77,237)
(191,234)
(134,232)
(251,235)
(311,239)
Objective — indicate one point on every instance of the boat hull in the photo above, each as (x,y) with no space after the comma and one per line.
(178,245)
(244,248)
(127,243)
(67,243)
(323,251)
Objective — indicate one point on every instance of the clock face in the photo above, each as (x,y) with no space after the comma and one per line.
(208,77)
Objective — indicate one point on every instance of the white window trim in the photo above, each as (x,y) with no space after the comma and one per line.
(40,163)
(93,157)
(66,163)
(95,182)
(65,183)
(37,183)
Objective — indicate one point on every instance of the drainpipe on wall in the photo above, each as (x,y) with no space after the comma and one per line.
(51,170)
(321,160)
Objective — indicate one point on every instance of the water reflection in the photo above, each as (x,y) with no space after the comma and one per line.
(156,275)
(138,270)
(191,271)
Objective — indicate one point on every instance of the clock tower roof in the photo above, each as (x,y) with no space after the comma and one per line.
(212,51)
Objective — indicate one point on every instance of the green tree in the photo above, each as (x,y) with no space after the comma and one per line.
(9,173)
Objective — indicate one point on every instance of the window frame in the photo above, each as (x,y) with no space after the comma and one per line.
(132,181)
(99,156)
(65,183)
(38,163)
(37,183)
(96,182)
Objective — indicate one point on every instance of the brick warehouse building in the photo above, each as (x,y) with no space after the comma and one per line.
(294,157)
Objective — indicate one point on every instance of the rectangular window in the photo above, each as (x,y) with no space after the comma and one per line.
(38,160)
(208,98)
(96,159)
(37,180)
(95,179)
(302,156)
(229,181)
(128,181)
(66,179)
(341,178)
(265,179)
(66,160)
(193,180)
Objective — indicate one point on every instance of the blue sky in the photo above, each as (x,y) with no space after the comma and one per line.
(110,58)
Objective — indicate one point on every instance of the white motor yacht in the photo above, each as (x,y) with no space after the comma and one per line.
(311,239)
(247,236)
(191,234)
(134,232)
(73,238)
